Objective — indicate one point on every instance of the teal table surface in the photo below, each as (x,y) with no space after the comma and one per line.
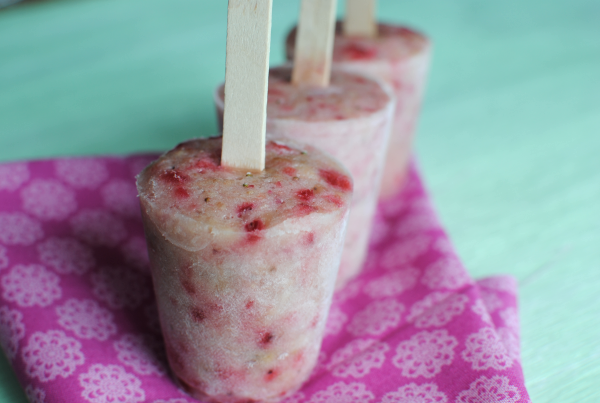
(509,138)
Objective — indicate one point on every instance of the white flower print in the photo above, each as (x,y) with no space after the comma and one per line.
(438,313)
(121,197)
(445,273)
(404,251)
(484,350)
(12,330)
(110,384)
(98,227)
(136,254)
(417,223)
(48,200)
(336,319)
(479,308)
(376,318)
(510,317)
(358,358)
(86,319)
(297,397)
(30,285)
(511,342)
(425,354)
(66,255)
(413,393)
(491,300)
(82,173)
(501,283)
(142,353)
(421,306)
(120,287)
(35,395)
(392,284)
(343,393)
(495,389)
(13,175)
(19,229)
(3,257)
(51,354)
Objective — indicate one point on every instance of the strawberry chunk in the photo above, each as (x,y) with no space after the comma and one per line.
(256,225)
(354,51)
(289,171)
(305,194)
(336,179)
(173,176)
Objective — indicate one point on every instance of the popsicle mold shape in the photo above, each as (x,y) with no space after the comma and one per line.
(399,56)
(351,120)
(244,265)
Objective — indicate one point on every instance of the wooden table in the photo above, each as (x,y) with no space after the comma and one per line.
(509,140)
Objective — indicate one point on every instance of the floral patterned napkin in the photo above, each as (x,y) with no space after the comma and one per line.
(78,320)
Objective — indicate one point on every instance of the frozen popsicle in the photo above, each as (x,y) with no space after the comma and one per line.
(350,119)
(244,264)
(399,56)
(244,261)
(344,114)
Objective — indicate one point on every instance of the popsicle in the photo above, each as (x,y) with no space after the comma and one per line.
(345,114)
(244,266)
(396,54)
(244,248)
(350,119)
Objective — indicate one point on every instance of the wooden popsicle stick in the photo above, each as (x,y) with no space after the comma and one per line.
(314,43)
(246,82)
(360,18)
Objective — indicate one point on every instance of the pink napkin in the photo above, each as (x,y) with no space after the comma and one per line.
(78,320)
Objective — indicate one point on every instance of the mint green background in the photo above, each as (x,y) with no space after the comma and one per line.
(509,140)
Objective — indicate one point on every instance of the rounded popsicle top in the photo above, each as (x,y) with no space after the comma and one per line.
(189,195)
(393,42)
(348,96)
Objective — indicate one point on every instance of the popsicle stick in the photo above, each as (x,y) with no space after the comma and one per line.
(246,81)
(360,18)
(314,43)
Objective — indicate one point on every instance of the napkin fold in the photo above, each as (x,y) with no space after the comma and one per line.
(78,320)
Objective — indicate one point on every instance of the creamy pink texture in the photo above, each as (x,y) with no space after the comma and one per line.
(400,57)
(244,265)
(348,96)
(351,120)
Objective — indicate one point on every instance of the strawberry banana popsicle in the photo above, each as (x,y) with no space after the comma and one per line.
(244,265)
(400,57)
(350,119)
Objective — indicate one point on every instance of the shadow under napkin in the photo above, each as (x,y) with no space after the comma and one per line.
(78,321)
